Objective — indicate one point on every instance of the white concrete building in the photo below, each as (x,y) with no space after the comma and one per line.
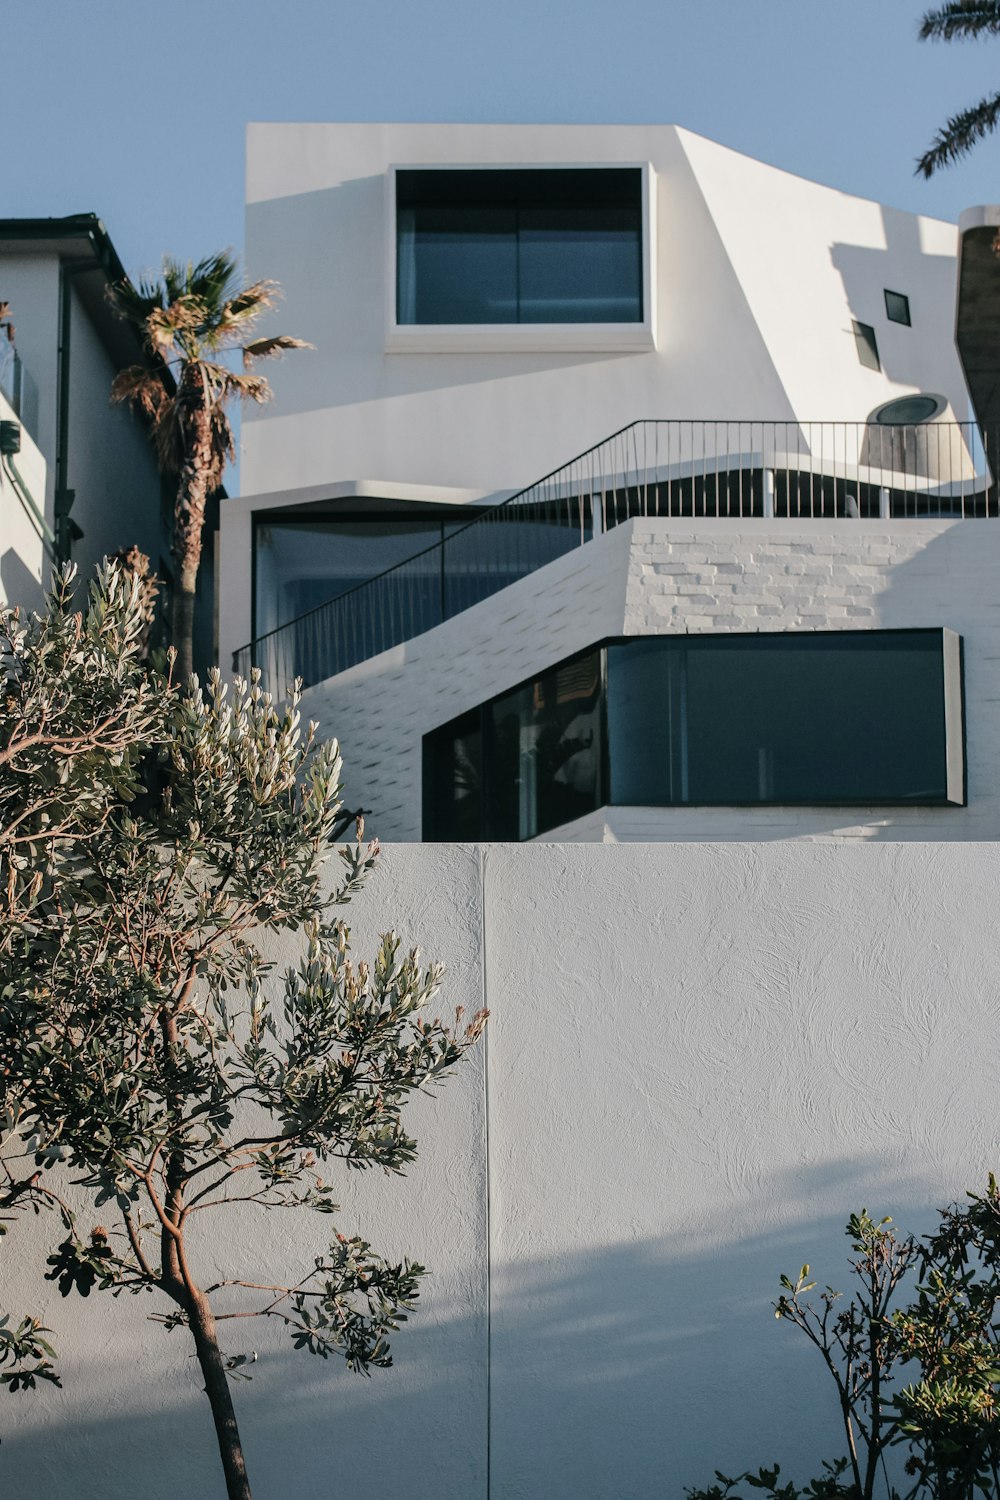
(100,489)
(736,667)
(793,493)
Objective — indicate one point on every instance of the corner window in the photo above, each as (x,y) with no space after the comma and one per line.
(801,719)
(519,245)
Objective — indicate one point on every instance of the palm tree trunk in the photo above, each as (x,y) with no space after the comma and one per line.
(213,1368)
(182,623)
(193,485)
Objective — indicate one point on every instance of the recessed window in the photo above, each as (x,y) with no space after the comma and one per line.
(897,307)
(909,411)
(831,718)
(543,245)
(866,345)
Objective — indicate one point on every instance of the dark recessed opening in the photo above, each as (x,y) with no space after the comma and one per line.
(799,719)
(897,307)
(522,245)
(865,343)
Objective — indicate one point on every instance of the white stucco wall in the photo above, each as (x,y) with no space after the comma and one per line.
(111,463)
(23,562)
(666,576)
(701,1058)
(758,275)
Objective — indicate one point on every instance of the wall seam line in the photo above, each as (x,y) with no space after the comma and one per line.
(489,1203)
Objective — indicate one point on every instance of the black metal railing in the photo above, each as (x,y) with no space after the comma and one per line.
(698,469)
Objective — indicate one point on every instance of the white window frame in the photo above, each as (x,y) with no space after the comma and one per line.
(522,338)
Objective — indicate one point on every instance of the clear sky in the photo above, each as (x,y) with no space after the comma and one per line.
(136,110)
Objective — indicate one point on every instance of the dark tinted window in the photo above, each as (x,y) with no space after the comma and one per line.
(841,718)
(539,765)
(857,717)
(550,245)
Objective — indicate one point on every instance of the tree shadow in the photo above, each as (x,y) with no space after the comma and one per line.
(622,1371)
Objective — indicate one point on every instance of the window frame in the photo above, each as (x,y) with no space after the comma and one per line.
(953,713)
(523,338)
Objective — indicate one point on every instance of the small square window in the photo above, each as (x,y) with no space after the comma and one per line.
(864,339)
(897,308)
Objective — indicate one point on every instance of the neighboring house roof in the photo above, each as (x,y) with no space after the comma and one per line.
(82,241)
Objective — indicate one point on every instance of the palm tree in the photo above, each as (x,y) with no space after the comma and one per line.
(190,319)
(959,19)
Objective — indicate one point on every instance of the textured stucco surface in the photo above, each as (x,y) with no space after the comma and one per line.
(700,1059)
(676,576)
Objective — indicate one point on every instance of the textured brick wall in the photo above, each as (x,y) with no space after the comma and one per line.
(653,577)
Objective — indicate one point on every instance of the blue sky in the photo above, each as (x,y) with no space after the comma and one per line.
(137,111)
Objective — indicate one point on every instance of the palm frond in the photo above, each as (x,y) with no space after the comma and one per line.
(961,18)
(254,299)
(960,134)
(248,387)
(271,347)
(222,384)
(223,447)
(166,326)
(134,304)
(214,280)
(143,389)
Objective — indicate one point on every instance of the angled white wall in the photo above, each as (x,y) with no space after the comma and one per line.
(24,570)
(653,577)
(758,275)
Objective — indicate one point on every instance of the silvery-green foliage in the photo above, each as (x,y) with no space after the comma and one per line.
(139,1044)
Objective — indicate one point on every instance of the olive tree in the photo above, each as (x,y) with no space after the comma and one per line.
(143,1049)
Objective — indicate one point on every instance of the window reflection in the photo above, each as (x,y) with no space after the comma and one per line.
(800,719)
(543,245)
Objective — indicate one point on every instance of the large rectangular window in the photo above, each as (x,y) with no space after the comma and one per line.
(842,718)
(831,718)
(519,245)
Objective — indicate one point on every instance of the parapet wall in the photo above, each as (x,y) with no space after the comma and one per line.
(700,1059)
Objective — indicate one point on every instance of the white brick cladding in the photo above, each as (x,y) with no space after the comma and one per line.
(651,577)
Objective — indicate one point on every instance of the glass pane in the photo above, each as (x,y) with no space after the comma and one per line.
(645,726)
(464,266)
(483,558)
(816,719)
(548,245)
(452,775)
(800,719)
(300,564)
(543,765)
(580,264)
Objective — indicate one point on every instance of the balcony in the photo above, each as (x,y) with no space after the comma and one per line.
(758,471)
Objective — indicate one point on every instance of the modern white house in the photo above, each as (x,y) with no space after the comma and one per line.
(634,525)
(795,509)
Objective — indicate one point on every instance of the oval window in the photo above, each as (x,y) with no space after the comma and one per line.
(908,411)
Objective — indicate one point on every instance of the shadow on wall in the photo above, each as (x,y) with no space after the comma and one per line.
(622,1372)
(18,585)
(348,221)
(867,274)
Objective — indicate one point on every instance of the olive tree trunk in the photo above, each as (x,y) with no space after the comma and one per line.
(213,1368)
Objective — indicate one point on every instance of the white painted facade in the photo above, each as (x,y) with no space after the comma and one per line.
(23,554)
(652,577)
(700,1059)
(754,280)
(756,276)
(108,459)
